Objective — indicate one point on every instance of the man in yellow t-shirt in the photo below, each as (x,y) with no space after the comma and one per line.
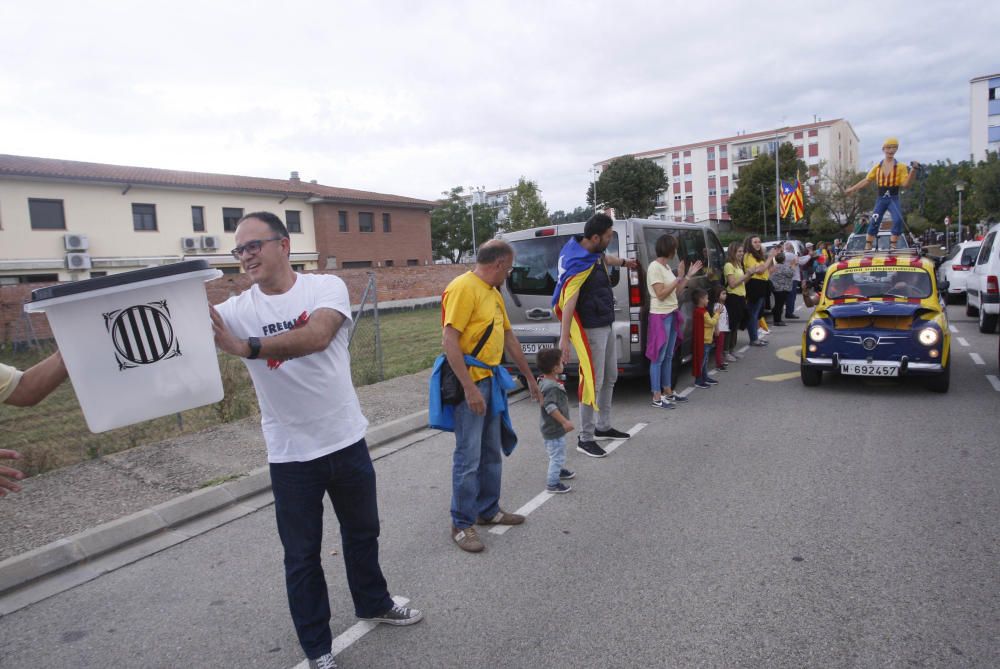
(24,389)
(470,303)
(889,176)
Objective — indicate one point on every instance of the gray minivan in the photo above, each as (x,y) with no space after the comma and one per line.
(528,290)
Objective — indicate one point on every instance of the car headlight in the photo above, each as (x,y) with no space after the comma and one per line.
(928,336)
(817,333)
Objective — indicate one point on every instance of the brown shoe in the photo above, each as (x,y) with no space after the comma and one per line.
(467,539)
(502,518)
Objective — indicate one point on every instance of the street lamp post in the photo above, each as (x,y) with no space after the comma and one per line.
(593,179)
(476,192)
(960,187)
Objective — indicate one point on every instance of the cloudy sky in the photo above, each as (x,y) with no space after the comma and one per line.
(415,97)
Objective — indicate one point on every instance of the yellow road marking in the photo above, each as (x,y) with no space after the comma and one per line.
(788,354)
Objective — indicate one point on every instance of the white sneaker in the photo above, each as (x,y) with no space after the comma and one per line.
(323,662)
(731,358)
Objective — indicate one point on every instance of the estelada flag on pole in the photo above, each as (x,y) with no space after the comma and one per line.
(787,195)
(798,201)
(575,265)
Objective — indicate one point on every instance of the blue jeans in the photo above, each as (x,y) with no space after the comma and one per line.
(790,304)
(890,202)
(556,448)
(756,309)
(477,462)
(348,477)
(703,373)
(661,369)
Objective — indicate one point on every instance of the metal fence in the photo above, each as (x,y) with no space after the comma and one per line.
(366,338)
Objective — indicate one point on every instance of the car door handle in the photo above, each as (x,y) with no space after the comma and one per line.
(539,314)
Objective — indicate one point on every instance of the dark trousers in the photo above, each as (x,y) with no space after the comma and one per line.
(790,303)
(780,297)
(348,477)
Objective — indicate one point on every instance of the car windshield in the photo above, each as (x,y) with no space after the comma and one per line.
(856,243)
(878,282)
(536,264)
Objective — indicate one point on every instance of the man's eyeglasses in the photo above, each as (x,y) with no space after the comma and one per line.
(253,246)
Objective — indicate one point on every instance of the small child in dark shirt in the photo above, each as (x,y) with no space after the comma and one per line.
(555,424)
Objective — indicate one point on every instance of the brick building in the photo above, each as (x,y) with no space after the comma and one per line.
(67,220)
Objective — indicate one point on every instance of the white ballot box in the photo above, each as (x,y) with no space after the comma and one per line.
(138,345)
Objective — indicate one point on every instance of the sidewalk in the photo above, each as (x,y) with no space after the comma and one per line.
(177,479)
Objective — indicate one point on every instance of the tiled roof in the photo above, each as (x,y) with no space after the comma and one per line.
(48,168)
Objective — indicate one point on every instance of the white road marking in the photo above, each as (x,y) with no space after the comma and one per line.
(543,497)
(953,328)
(744,349)
(962,341)
(994,381)
(352,634)
(687,391)
(976,358)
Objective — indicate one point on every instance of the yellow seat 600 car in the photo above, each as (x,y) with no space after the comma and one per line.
(879,315)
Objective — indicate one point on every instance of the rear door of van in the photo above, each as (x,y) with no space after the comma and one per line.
(528,290)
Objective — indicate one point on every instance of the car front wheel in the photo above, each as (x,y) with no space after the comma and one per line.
(811,376)
(939,383)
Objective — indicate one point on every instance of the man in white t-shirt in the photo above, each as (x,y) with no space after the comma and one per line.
(25,389)
(292,331)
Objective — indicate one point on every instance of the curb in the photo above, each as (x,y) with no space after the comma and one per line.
(157,525)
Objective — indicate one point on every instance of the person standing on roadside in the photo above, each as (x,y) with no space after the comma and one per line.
(664,319)
(781,281)
(585,306)
(757,264)
(473,311)
(25,389)
(736,302)
(313,427)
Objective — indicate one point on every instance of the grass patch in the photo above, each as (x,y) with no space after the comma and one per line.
(54,433)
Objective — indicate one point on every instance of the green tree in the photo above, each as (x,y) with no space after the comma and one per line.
(526,207)
(578,215)
(986,187)
(451,225)
(745,203)
(629,186)
(832,204)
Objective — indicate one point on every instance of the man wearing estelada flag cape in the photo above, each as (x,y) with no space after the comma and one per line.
(584,304)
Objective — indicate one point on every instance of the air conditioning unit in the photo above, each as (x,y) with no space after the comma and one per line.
(189,243)
(76,242)
(210,242)
(77,261)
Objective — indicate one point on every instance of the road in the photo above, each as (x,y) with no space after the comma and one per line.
(763,524)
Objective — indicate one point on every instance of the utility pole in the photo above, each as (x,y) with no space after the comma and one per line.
(777,189)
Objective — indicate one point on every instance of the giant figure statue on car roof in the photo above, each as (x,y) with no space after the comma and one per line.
(889,176)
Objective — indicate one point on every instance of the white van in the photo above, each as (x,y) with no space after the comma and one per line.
(982,285)
(528,290)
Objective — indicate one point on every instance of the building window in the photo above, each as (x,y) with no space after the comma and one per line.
(298,267)
(46,214)
(389,263)
(412,262)
(814,133)
(711,152)
(386,223)
(357,264)
(723,152)
(813,150)
(724,190)
(366,221)
(711,192)
(97,275)
(342,221)
(144,217)
(293,220)
(198,219)
(230,218)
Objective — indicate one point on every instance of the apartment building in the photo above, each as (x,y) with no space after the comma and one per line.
(703,175)
(64,220)
(497,199)
(984,115)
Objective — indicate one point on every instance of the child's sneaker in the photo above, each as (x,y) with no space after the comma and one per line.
(731,358)
(663,403)
(676,399)
(558,488)
(710,381)
(566,474)
(724,368)
(701,384)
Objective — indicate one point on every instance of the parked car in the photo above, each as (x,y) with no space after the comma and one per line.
(879,315)
(956,267)
(799,246)
(982,285)
(528,290)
